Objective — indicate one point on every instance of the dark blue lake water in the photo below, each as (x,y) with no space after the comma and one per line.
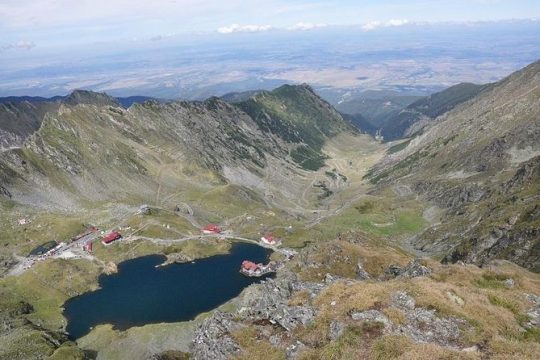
(142,294)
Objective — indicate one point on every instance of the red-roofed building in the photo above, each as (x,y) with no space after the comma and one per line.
(270,240)
(115,235)
(249,265)
(250,269)
(211,229)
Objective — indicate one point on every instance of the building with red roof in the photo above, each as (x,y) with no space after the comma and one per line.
(113,236)
(250,266)
(211,229)
(270,240)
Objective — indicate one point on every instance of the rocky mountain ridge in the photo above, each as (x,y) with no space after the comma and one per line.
(92,148)
(479,163)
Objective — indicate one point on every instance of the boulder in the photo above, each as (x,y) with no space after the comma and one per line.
(372,316)
(411,270)
(403,301)
(361,274)
(414,269)
(336,329)
(534,312)
(509,283)
(424,326)
(293,350)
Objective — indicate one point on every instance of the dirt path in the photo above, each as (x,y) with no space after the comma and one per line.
(204,236)
(2,150)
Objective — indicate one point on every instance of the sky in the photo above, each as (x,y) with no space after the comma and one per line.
(29,24)
(197,48)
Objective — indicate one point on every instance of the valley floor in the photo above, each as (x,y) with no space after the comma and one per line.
(312,212)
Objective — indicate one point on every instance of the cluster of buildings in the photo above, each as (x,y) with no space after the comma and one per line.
(251,269)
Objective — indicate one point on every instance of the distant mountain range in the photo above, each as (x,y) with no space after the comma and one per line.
(76,96)
(22,115)
(395,115)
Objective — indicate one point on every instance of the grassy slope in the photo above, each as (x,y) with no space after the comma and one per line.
(471,153)
(297,115)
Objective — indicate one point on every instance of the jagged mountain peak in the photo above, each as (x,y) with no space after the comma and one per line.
(290,91)
(88,97)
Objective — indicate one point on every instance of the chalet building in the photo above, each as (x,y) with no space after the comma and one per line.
(113,236)
(250,268)
(269,239)
(211,229)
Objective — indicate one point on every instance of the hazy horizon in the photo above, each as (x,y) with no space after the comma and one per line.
(192,49)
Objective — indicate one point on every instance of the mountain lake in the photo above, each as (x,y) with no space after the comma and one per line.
(141,293)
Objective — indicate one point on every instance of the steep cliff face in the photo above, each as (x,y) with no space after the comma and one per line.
(470,162)
(18,120)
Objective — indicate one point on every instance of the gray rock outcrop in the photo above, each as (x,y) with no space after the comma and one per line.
(213,338)
(421,325)
(411,270)
(269,301)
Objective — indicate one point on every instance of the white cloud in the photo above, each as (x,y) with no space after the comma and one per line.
(21,44)
(373,25)
(397,22)
(305,26)
(235,28)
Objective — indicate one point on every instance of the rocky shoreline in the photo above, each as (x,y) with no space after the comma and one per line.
(268,306)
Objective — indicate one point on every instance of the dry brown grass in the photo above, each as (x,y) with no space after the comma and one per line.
(502,349)
(315,334)
(299,298)
(402,348)
(255,347)
(395,315)
(341,258)
(494,314)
